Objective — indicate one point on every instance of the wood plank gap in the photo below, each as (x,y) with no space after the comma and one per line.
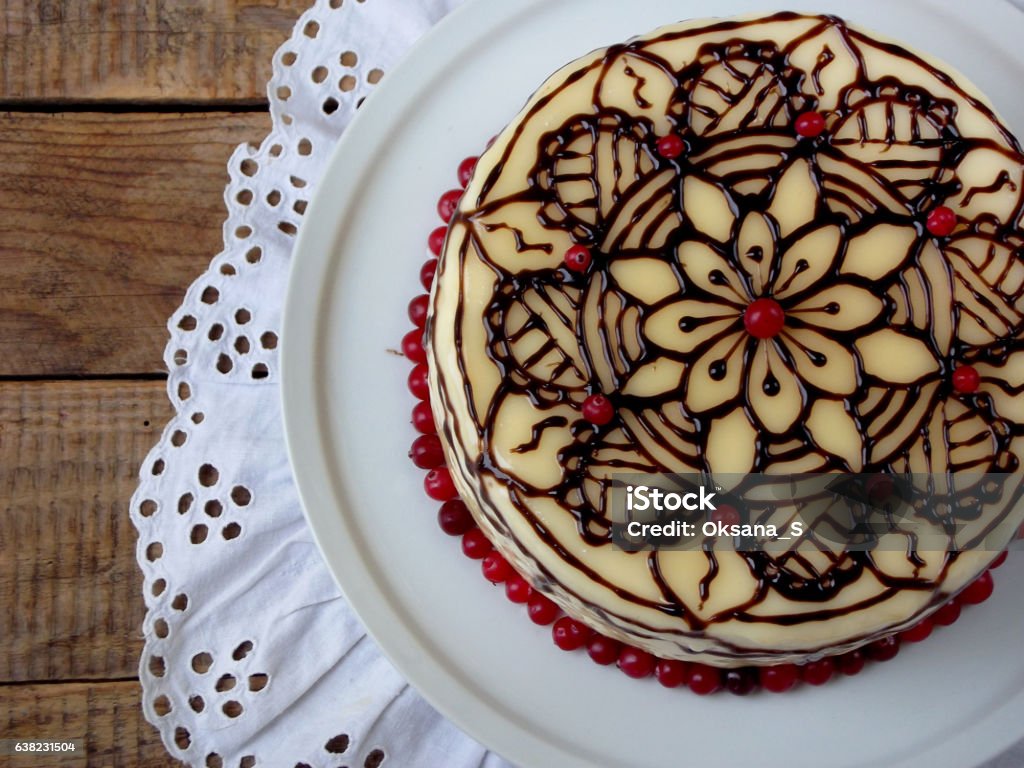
(70,681)
(139,376)
(107,106)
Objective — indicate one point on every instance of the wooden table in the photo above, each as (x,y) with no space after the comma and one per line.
(116,122)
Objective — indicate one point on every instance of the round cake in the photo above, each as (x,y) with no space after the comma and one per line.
(768,245)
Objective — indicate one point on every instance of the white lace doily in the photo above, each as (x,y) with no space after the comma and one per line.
(252,657)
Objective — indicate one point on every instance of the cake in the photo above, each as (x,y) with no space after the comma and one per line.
(764,245)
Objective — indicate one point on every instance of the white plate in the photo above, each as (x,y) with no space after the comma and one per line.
(953,701)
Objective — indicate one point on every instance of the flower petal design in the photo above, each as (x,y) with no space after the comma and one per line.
(822,362)
(708,206)
(717,375)
(708,270)
(795,202)
(839,307)
(807,261)
(732,443)
(835,430)
(645,278)
(685,325)
(773,390)
(655,378)
(879,251)
(895,357)
(755,251)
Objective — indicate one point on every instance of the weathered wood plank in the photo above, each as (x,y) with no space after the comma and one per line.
(149,50)
(107,717)
(104,221)
(70,591)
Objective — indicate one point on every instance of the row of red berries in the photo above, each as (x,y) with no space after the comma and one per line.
(569,634)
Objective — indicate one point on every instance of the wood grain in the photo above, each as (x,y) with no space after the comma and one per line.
(70,590)
(105,219)
(141,51)
(106,716)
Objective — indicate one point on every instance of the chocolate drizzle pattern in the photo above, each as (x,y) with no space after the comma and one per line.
(878,312)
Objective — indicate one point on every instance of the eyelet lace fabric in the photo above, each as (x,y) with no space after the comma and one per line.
(252,657)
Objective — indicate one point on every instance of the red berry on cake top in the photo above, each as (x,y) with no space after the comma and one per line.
(941,221)
(598,410)
(577,258)
(809,124)
(764,318)
(966,379)
(670,146)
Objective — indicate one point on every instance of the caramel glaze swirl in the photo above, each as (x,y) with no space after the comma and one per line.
(831,228)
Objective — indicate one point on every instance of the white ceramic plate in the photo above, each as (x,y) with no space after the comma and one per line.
(956,700)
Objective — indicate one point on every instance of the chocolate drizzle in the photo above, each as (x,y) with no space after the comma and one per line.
(555,336)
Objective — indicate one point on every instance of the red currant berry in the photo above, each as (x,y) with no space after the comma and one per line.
(517,589)
(741,681)
(542,611)
(577,258)
(941,221)
(947,614)
(454,517)
(882,650)
(818,672)
(496,568)
(466,168)
(999,560)
(412,346)
(436,240)
(438,484)
(978,591)
(672,673)
(764,318)
(475,544)
(726,514)
(569,634)
(426,452)
(427,272)
(603,650)
(447,204)
(850,663)
(598,410)
(670,146)
(879,488)
(918,632)
(423,418)
(418,310)
(418,382)
(635,663)
(704,679)
(966,379)
(810,124)
(779,678)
